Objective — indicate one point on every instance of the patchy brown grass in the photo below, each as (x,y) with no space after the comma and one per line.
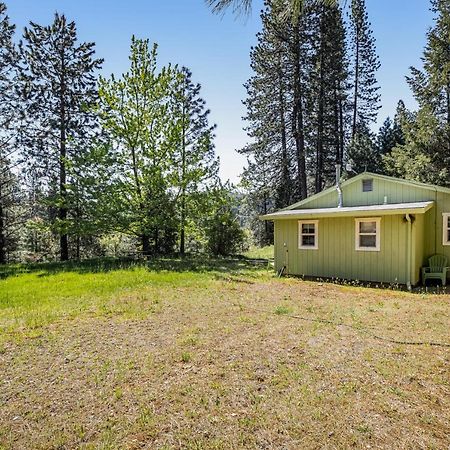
(223,365)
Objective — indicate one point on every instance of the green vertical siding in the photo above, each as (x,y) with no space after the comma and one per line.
(354,196)
(336,256)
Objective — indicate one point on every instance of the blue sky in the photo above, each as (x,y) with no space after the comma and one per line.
(216,49)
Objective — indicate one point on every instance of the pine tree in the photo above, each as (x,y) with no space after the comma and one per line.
(328,94)
(425,153)
(195,164)
(391,133)
(60,88)
(276,102)
(9,122)
(364,65)
(363,153)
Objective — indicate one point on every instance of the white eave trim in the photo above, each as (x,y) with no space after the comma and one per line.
(352,211)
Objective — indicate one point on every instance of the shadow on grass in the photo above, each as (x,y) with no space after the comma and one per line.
(197,263)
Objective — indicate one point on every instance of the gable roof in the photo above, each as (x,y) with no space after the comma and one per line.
(363,175)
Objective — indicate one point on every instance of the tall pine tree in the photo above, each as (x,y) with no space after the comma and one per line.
(364,65)
(195,165)
(9,122)
(60,87)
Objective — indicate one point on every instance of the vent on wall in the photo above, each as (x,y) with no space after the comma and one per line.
(367,185)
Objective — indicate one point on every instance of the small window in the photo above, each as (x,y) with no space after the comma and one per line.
(446,229)
(367,185)
(308,234)
(367,234)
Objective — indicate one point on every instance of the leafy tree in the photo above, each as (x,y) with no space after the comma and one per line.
(60,90)
(135,114)
(194,165)
(224,233)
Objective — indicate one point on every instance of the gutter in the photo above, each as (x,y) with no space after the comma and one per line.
(408,252)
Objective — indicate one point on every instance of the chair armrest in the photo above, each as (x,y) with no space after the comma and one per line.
(425,269)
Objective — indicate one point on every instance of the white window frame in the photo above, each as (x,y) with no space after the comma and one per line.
(445,228)
(316,235)
(377,221)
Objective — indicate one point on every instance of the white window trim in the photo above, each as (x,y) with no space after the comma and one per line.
(445,228)
(316,235)
(377,221)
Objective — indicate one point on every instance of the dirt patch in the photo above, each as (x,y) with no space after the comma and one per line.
(220,368)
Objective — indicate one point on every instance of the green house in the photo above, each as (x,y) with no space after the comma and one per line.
(369,228)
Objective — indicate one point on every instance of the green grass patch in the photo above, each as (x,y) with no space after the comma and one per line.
(32,296)
(260,252)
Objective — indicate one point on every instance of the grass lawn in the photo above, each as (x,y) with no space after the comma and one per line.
(204,354)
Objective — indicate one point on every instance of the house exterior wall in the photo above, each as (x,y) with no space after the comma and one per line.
(427,229)
(336,256)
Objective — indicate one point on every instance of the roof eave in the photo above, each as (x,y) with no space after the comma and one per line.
(351,213)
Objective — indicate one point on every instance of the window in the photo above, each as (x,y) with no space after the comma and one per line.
(446,229)
(367,234)
(367,185)
(308,234)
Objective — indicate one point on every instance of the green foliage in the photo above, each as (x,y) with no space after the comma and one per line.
(10,192)
(363,153)
(59,90)
(364,65)
(425,153)
(161,154)
(296,109)
(224,234)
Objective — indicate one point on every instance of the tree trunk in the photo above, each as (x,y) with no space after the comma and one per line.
(62,210)
(156,239)
(356,86)
(78,247)
(320,114)
(336,125)
(145,240)
(182,224)
(286,198)
(341,132)
(298,118)
(2,233)
(183,185)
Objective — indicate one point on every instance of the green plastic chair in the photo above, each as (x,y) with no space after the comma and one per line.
(437,269)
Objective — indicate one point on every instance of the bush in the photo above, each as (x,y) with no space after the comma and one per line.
(225,235)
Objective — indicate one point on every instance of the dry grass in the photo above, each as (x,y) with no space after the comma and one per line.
(220,364)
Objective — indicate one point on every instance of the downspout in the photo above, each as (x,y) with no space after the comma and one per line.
(338,185)
(408,252)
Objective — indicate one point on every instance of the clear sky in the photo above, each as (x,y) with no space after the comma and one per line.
(216,49)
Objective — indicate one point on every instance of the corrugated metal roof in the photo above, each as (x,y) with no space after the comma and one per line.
(352,211)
